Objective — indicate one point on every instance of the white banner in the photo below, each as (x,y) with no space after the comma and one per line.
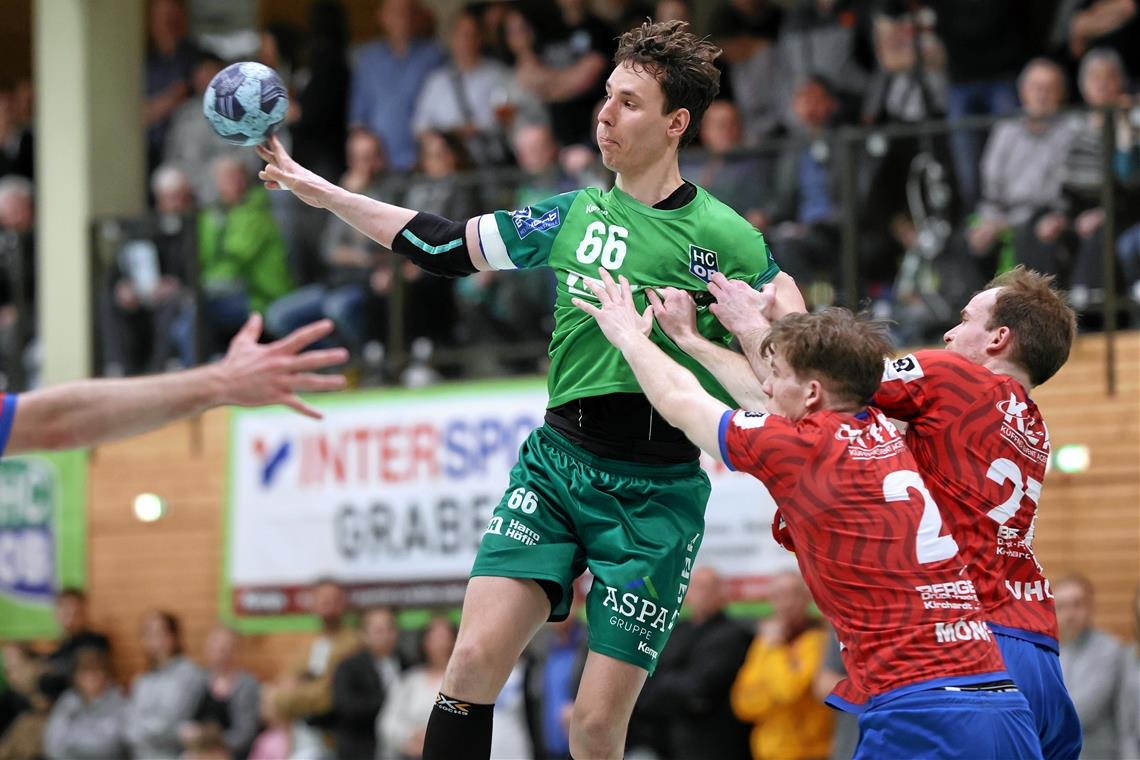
(390,495)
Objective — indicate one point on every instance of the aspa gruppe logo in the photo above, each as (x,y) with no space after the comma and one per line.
(525,223)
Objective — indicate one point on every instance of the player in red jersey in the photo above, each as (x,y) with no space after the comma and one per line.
(868,536)
(90,412)
(981,446)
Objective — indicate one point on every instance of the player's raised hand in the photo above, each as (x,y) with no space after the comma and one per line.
(281,172)
(258,375)
(674,311)
(616,313)
(739,307)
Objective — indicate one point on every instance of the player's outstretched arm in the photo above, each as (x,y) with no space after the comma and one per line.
(383,222)
(90,412)
(676,313)
(671,388)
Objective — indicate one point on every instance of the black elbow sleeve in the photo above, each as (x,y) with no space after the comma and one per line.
(436,245)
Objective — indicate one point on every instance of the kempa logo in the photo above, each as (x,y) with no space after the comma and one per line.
(593,208)
(453,706)
(641,647)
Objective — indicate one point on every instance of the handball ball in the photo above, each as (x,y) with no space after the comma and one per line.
(245,102)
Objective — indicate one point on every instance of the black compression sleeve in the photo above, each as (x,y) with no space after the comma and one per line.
(436,245)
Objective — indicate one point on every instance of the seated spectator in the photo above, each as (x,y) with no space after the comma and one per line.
(88,721)
(170,57)
(276,738)
(1094,665)
(555,661)
(228,712)
(40,688)
(17,272)
(16,152)
(831,673)
(773,690)
(191,143)
(688,696)
(387,80)
(1112,24)
(1021,176)
(402,721)
(349,255)
(306,692)
(1102,85)
(241,256)
(21,671)
(146,281)
(164,696)
(741,181)
(900,89)
(746,31)
(565,68)
(71,614)
(469,96)
(362,683)
(537,153)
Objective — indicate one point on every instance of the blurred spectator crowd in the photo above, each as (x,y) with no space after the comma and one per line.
(362,689)
(494,107)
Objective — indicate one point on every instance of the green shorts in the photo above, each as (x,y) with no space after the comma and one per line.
(637,527)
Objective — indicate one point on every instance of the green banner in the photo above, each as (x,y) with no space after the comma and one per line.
(43,538)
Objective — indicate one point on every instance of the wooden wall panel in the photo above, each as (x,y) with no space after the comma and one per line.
(1089,522)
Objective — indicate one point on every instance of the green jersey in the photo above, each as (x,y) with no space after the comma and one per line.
(577,232)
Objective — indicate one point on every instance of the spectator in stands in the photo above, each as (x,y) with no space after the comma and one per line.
(1094,665)
(473,97)
(985,47)
(741,181)
(24,738)
(553,674)
(170,59)
(17,270)
(746,31)
(1090,24)
(229,709)
(688,695)
(829,39)
(1102,84)
(537,153)
(1130,709)
(773,690)
(166,694)
(89,720)
(567,68)
(146,281)
(403,718)
(21,670)
(362,683)
(1021,175)
(801,220)
(16,149)
(241,257)
(71,614)
(831,672)
(388,78)
(900,89)
(672,10)
(192,146)
(307,691)
(349,255)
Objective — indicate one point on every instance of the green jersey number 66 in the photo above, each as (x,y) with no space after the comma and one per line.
(607,241)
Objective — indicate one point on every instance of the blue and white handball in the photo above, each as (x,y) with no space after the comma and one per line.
(245,102)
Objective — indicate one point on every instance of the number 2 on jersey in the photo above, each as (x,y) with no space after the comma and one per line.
(928,544)
(611,249)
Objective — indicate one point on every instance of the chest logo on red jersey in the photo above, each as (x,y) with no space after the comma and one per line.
(702,262)
(1024,428)
(878,440)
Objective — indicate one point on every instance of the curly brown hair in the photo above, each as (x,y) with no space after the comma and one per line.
(844,351)
(682,64)
(1043,325)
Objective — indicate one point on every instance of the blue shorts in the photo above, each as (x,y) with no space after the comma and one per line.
(1036,670)
(941,725)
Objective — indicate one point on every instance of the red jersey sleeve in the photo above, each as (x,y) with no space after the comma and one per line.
(758,443)
(909,385)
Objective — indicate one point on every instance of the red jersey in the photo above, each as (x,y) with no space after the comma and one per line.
(981,447)
(7,416)
(870,543)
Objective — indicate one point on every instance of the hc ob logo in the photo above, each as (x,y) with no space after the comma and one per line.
(702,262)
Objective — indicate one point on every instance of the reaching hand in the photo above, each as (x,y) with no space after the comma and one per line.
(675,312)
(616,315)
(281,172)
(258,375)
(740,307)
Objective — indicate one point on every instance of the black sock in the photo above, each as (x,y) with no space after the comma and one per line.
(458,730)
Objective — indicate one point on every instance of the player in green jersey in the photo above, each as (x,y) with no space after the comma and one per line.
(606,483)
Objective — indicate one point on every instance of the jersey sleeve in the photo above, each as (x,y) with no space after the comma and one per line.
(755,442)
(907,389)
(7,417)
(522,239)
(767,268)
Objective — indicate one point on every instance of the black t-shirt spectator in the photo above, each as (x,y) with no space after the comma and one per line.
(984,40)
(571,120)
(62,660)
